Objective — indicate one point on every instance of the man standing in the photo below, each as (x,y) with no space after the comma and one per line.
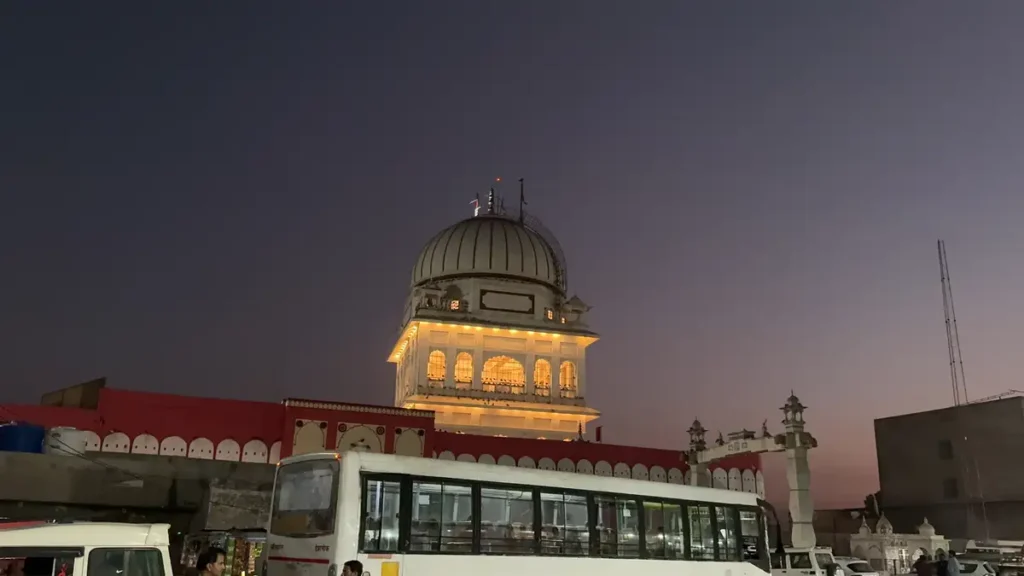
(211,562)
(352,568)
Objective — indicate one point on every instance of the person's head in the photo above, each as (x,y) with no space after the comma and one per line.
(952,554)
(211,561)
(940,555)
(352,568)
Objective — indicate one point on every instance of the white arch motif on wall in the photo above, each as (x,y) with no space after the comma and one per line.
(640,472)
(735,480)
(116,442)
(255,450)
(486,459)
(688,477)
(566,465)
(308,436)
(360,438)
(675,476)
(622,470)
(527,462)
(584,467)
(228,450)
(275,453)
(506,460)
(603,468)
(466,458)
(658,474)
(759,480)
(749,481)
(92,441)
(173,446)
(720,479)
(546,464)
(146,444)
(200,449)
(409,441)
(446,455)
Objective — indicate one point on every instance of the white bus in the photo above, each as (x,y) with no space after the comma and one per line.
(407,516)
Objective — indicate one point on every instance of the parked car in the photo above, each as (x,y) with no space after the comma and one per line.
(855,566)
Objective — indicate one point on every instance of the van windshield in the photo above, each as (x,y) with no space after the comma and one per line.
(305,499)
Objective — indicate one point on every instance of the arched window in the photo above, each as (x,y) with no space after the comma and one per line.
(542,377)
(436,366)
(567,380)
(463,370)
(503,374)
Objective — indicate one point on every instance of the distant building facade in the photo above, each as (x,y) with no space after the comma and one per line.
(957,467)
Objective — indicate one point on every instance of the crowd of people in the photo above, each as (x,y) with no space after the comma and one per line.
(942,565)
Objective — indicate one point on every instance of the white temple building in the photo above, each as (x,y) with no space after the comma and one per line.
(491,341)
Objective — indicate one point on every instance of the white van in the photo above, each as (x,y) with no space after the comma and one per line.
(804,562)
(84,549)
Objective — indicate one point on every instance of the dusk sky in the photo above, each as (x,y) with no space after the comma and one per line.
(227,198)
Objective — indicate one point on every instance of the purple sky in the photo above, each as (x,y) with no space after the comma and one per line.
(227,199)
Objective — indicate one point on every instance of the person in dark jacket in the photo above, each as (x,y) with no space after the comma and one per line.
(923,566)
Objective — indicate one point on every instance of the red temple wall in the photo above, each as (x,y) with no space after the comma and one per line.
(213,428)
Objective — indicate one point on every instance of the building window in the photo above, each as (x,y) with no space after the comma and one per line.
(463,370)
(454,305)
(503,374)
(542,377)
(567,380)
(945,450)
(563,319)
(950,489)
(549,313)
(436,367)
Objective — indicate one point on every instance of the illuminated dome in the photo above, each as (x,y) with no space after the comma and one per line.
(495,246)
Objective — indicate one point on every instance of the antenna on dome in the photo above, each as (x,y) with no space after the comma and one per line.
(490,201)
(476,205)
(522,202)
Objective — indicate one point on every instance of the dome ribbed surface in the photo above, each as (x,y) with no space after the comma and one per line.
(488,246)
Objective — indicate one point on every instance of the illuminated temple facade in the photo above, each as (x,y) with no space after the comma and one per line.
(490,367)
(491,342)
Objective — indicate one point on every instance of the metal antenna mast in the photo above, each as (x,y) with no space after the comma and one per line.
(956,360)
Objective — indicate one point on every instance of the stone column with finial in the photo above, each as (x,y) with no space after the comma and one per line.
(697,445)
(798,473)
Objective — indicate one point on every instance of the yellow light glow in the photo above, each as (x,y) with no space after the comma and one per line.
(513,331)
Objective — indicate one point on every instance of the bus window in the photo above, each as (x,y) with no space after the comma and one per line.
(506,520)
(442,517)
(702,539)
(728,534)
(380,527)
(565,524)
(664,532)
(305,499)
(618,526)
(751,535)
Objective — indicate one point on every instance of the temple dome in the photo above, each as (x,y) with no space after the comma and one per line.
(490,245)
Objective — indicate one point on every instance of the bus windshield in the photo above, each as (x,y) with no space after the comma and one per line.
(305,499)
